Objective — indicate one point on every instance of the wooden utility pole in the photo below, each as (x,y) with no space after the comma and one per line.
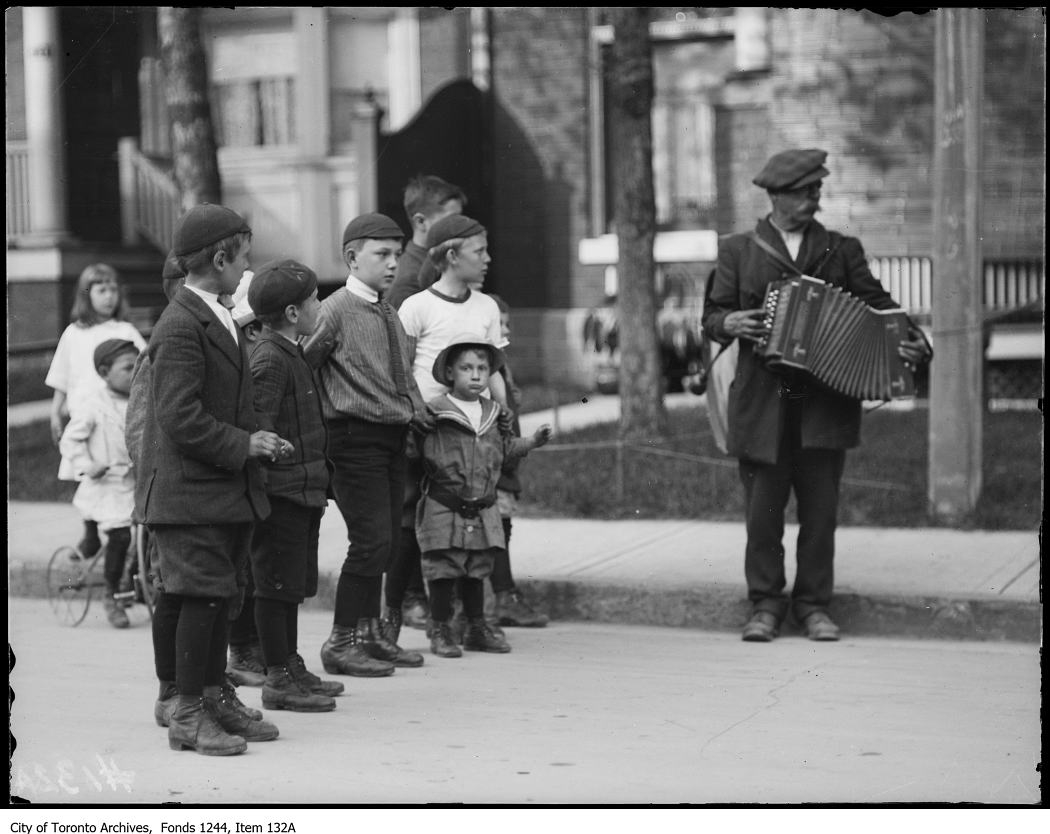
(186,91)
(629,78)
(956,375)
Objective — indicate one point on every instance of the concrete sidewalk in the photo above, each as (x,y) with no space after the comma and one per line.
(912,582)
(940,583)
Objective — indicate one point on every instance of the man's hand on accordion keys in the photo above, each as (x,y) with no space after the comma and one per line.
(746,324)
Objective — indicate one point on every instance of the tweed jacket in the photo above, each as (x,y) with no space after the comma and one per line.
(467,463)
(288,402)
(197,415)
(756,409)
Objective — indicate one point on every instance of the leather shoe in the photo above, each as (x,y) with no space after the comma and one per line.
(819,626)
(761,628)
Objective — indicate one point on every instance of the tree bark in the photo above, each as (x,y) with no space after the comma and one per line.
(629,81)
(186,91)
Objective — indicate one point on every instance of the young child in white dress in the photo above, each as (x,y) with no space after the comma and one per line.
(93,443)
(97,315)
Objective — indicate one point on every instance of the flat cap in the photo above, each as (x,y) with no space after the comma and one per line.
(172,270)
(110,349)
(204,225)
(373,225)
(452,227)
(278,284)
(792,169)
(496,359)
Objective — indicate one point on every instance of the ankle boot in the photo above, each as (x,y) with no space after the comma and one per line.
(380,647)
(479,638)
(391,624)
(167,701)
(245,666)
(233,718)
(344,653)
(442,642)
(114,611)
(309,681)
(229,691)
(194,727)
(282,691)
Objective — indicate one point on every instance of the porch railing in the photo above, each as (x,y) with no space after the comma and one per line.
(17,189)
(149,198)
(1008,284)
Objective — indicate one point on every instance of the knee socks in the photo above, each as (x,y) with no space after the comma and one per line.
(441,599)
(351,598)
(242,629)
(200,644)
(165,623)
(278,625)
(472,593)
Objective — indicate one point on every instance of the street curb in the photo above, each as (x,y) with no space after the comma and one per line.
(720,608)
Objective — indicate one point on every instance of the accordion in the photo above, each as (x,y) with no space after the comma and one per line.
(836,339)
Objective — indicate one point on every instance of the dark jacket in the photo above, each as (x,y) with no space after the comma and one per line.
(196,422)
(288,402)
(756,409)
(460,460)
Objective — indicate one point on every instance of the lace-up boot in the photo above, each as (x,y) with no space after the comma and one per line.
(194,726)
(383,649)
(282,691)
(233,718)
(479,637)
(344,653)
(309,681)
(441,640)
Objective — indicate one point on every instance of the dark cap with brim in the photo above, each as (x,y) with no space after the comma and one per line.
(376,226)
(204,225)
(453,227)
(496,358)
(792,169)
(278,284)
(172,270)
(110,349)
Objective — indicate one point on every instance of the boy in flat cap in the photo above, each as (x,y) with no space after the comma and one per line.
(93,442)
(427,199)
(200,485)
(787,433)
(369,400)
(458,521)
(283,299)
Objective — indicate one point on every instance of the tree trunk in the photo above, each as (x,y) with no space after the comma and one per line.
(629,81)
(186,91)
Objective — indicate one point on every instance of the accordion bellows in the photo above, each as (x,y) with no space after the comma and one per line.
(837,339)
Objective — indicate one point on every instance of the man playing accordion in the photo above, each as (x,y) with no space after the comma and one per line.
(787,432)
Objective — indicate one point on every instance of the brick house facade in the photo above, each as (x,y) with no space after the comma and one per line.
(855,83)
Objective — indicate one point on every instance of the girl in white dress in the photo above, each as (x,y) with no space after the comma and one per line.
(97,315)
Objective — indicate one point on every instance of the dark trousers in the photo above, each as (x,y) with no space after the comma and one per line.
(814,475)
(405,577)
(369,487)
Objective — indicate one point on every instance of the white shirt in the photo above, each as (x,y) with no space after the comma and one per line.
(792,240)
(471,408)
(434,320)
(221,313)
(361,289)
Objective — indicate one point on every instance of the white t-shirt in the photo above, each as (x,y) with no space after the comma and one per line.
(434,320)
(470,408)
